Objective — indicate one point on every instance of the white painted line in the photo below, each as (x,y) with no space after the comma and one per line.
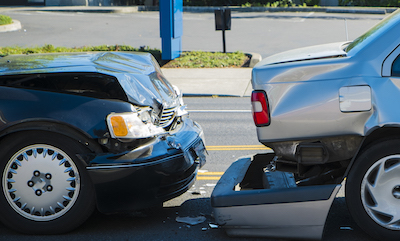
(308,15)
(219,111)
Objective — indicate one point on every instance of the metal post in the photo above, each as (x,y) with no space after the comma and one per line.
(223,40)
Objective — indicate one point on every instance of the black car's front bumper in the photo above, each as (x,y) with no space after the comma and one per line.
(150,174)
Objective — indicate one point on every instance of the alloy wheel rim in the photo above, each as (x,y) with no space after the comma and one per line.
(41,182)
(380,192)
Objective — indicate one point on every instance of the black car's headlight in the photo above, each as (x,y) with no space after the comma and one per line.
(129,125)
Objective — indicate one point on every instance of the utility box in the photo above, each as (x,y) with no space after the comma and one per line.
(222,19)
(171,28)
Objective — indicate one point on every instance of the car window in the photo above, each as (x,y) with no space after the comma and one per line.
(90,85)
(374,31)
(396,67)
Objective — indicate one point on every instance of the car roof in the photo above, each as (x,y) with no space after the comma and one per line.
(110,63)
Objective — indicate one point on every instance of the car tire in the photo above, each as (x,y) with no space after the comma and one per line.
(45,186)
(373,190)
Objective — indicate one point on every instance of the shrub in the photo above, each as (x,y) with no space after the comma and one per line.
(5,20)
(201,59)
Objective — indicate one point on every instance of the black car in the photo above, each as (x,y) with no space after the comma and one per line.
(86,130)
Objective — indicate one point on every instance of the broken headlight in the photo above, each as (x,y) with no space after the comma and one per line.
(129,125)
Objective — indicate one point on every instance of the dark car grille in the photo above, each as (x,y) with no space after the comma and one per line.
(167,116)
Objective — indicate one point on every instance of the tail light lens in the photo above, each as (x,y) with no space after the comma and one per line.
(260,108)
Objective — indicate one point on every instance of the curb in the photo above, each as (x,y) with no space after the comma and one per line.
(95,9)
(255,58)
(361,10)
(84,9)
(15,25)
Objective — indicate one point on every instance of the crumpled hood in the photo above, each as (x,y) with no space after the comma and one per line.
(138,73)
(149,90)
(141,78)
(308,53)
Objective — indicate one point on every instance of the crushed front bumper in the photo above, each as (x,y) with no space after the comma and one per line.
(148,175)
(244,207)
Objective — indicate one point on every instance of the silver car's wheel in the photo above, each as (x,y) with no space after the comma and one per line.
(45,186)
(41,182)
(380,192)
(373,190)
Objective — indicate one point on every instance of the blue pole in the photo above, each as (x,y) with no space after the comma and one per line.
(171,28)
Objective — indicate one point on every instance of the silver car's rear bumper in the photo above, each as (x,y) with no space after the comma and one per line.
(243,207)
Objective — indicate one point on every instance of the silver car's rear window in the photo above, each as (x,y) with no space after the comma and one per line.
(374,31)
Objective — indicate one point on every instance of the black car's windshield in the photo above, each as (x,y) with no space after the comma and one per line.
(377,28)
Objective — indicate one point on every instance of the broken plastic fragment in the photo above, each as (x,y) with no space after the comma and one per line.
(213,225)
(191,220)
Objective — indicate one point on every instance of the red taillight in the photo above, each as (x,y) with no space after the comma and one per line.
(260,108)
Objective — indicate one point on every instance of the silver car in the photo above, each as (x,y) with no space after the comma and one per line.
(330,114)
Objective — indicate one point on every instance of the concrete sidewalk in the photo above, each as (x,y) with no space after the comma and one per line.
(211,81)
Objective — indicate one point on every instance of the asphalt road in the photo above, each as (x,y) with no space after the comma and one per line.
(264,33)
(226,122)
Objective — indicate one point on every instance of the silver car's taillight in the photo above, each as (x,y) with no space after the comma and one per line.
(260,108)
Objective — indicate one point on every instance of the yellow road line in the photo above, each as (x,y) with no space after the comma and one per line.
(207,178)
(237,147)
(209,175)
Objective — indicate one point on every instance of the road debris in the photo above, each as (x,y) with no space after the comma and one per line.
(191,220)
(213,226)
(346,228)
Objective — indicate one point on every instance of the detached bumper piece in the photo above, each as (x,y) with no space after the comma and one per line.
(251,202)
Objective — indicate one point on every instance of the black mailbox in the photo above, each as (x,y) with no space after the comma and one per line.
(223,22)
(223,19)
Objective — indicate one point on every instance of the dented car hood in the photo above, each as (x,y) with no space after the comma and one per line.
(139,74)
(331,50)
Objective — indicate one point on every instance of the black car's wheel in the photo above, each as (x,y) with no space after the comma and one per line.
(45,187)
(373,190)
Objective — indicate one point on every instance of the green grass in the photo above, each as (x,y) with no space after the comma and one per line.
(200,59)
(195,59)
(5,20)
(285,4)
